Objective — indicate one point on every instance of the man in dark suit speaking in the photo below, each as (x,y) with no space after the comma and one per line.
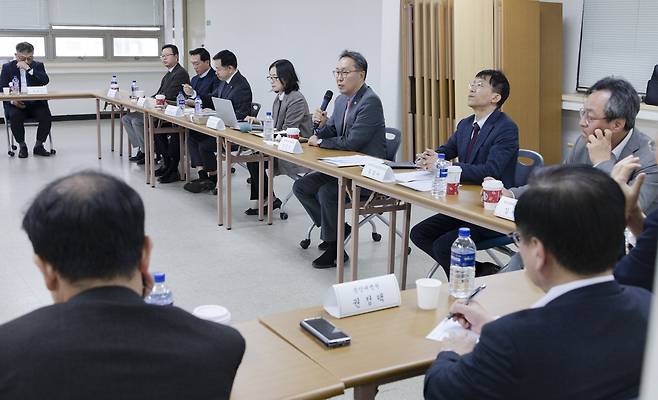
(100,340)
(487,144)
(585,338)
(28,72)
(357,124)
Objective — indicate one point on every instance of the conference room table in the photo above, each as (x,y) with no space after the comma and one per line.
(391,345)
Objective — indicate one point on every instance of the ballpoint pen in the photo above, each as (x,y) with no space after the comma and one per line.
(469,298)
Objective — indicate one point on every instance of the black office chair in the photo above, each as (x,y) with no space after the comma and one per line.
(11,146)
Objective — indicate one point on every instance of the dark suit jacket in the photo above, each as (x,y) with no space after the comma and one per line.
(106,343)
(238,91)
(586,344)
(172,83)
(364,131)
(638,267)
(39,77)
(206,85)
(494,153)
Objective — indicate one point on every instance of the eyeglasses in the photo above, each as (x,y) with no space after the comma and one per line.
(476,86)
(652,145)
(272,78)
(342,74)
(166,55)
(516,237)
(584,115)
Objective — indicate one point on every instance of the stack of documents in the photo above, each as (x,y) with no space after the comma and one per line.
(351,161)
(416,180)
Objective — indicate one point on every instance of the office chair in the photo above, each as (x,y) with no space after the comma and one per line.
(11,146)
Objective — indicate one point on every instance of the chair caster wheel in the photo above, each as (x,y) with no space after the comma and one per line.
(11,153)
(249,180)
(408,250)
(232,170)
(13,147)
(376,237)
(284,216)
(305,243)
(214,191)
(53,151)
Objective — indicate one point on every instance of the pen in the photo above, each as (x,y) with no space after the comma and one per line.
(469,298)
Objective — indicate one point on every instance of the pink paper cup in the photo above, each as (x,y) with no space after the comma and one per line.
(492,191)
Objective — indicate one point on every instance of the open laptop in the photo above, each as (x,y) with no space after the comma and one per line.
(224,110)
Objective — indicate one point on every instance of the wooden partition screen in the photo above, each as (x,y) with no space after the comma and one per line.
(428,76)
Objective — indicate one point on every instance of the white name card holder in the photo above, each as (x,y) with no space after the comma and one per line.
(215,123)
(505,208)
(362,296)
(142,102)
(379,172)
(173,111)
(113,94)
(37,90)
(290,146)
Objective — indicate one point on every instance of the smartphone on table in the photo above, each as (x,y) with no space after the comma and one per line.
(325,331)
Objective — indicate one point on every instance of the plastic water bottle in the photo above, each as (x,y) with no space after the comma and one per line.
(114,83)
(180,100)
(198,105)
(160,294)
(15,85)
(462,265)
(268,127)
(440,182)
(133,89)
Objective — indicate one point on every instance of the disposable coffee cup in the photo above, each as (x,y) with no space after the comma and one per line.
(160,100)
(492,191)
(139,93)
(292,133)
(5,90)
(454,175)
(213,313)
(427,290)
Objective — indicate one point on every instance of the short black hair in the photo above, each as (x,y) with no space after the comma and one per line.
(287,75)
(498,82)
(577,212)
(227,58)
(624,101)
(87,225)
(359,60)
(172,47)
(24,47)
(201,52)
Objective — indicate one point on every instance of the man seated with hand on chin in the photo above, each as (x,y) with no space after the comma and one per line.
(585,338)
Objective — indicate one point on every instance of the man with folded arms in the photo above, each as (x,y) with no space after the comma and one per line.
(585,338)
(100,340)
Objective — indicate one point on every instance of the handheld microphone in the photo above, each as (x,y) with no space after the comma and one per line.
(325,102)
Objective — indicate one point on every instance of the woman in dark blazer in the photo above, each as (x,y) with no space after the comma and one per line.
(289,110)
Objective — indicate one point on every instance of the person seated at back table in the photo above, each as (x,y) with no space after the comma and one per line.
(100,340)
(356,124)
(232,86)
(487,144)
(29,73)
(585,338)
(289,110)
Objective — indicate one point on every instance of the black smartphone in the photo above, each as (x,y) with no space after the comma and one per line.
(325,332)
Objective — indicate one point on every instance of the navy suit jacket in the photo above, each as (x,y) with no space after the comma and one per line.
(39,77)
(206,85)
(238,91)
(638,267)
(494,153)
(585,344)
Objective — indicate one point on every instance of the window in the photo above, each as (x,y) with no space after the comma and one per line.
(135,47)
(8,45)
(79,47)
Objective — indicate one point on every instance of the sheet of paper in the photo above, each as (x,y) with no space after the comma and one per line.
(421,186)
(351,161)
(414,176)
(449,328)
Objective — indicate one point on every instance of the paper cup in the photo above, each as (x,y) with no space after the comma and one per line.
(492,191)
(5,90)
(292,133)
(428,290)
(213,313)
(454,176)
(160,100)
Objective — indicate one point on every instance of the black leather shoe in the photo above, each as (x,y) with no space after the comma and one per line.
(170,177)
(328,258)
(325,245)
(199,185)
(276,204)
(141,162)
(137,157)
(161,171)
(40,151)
(22,153)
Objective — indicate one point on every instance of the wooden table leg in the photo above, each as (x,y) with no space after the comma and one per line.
(98,126)
(121,131)
(181,153)
(186,155)
(151,154)
(340,231)
(261,185)
(356,203)
(405,246)
(365,392)
(392,224)
(270,189)
(147,149)
(229,212)
(112,127)
(220,184)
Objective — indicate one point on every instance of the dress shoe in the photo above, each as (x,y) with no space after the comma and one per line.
(276,204)
(141,161)
(137,157)
(325,245)
(328,258)
(39,150)
(162,171)
(22,153)
(170,177)
(200,185)
(486,268)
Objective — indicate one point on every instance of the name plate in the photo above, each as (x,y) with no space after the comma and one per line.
(378,172)
(505,208)
(290,146)
(173,111)
(215,123)
(363,296)
(141,101)
(37,90)
(113,94)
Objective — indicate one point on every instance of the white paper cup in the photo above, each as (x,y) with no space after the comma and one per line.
(492,191)
(454,176)
(5,90)
(160,100)
(428,290)
(292,133)
(213,313)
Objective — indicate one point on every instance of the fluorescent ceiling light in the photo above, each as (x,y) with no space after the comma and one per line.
(107,28)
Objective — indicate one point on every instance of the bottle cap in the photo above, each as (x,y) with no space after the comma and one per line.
(464,232)
(159,277)
(268,113)
(441,156)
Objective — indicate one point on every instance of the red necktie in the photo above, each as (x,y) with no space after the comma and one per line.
(474,138)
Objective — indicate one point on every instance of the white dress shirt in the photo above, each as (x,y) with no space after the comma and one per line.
(559,290)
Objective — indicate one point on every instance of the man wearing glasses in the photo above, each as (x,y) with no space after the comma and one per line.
(28,73)
(166,145)
(487,144)
(357,124)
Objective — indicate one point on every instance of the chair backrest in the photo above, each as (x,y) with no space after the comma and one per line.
(255,108)
(393,140)
(524,169)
